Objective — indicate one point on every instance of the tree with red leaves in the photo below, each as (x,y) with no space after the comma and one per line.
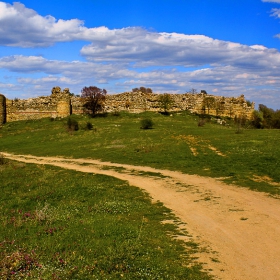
(95,98)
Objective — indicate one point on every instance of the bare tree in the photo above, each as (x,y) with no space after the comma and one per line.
(95,98)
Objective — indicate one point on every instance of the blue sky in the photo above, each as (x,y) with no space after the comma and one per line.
(227,48)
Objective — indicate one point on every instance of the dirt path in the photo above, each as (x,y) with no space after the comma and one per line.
(239,228)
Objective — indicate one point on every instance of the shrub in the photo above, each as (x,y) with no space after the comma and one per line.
(147,123)
(201,122)
(72,124)
(165,102)
(257,120)
(249,103)
(142,89)
(89,126)
(149,90)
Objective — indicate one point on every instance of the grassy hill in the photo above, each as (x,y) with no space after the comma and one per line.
(249,158)
(62,224)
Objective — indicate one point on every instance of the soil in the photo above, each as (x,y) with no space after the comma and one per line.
(238,230)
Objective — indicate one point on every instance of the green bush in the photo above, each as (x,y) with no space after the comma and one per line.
(147,123)
(72,124)
(89,126)
(166,102)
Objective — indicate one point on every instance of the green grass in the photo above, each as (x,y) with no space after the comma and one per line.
(176,143)
(61,224)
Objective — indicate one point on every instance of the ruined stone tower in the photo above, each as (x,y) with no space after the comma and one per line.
(63,107)
(2,109)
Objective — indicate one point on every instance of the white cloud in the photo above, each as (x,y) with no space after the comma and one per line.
(272,1)
(151,49)
(6,86)
(23,27)
(197,61)
(20,26)
(38,64)
(76,72)
(275,13)
(228,80)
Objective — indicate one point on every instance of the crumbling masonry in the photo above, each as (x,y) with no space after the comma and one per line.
(61,104)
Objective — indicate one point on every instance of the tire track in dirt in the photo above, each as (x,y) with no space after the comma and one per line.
(239,228)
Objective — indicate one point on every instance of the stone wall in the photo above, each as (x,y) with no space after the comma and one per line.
(62,104)
(195,103)
(55,105)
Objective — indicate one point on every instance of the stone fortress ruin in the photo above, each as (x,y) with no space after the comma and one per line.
(61,104)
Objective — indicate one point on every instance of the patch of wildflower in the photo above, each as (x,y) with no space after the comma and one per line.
(18,263)
(110,207)
(40,215)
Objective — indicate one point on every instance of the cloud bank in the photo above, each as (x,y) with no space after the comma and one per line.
(23,27)
(132,56)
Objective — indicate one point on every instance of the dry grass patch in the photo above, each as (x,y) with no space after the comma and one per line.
(265,179)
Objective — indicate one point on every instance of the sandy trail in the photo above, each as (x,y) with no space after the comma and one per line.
(239,228)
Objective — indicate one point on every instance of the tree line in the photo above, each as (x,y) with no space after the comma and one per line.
(266,117)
